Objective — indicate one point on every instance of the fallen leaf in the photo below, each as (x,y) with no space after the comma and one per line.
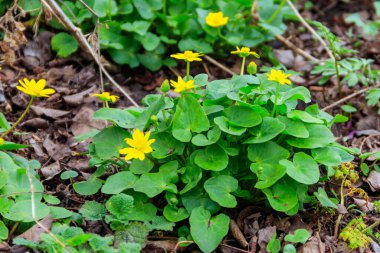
(373,180)
(48,112)
(51,170)
(36,123)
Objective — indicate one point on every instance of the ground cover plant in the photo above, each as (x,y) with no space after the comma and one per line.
(252,150)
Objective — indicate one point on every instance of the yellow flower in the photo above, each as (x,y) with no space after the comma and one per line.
(187,56)
(1,141)
(139,145)
(106,97)
(181,85)
(216,19)
(244,52)
(34,89)
(278,76)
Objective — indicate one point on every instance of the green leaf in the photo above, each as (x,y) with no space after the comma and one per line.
(109,141)
(146,8)
(300,236)
(289,248)
(161,223)
(319,137)
(119,182)
(64,44)
(122,118)
(270,128)
(101,8)
(303,168)
(92,210)
(175,214)
(213,136)
(189,117)
(89,187)
(51,199)
(267,174)
(195,45)
(242,116)
(58,212)
(151,61)
(197,197)
(191,177)
(223,124)
(69,174)
(267,153)
(324,199)
(3,178)
(281,196)
(294,127)
(304,116)
(166,145)
(140,27)
(153,184)
(208,231)
(220,187)
(4,125)
(149,41)
(22,211)
(326,156)
(3,231)
(140,167)
(142,212)
(212,158)
(120,205)
(274,245)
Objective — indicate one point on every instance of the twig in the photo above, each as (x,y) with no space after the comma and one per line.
(175,72)
(237,234)
(234,248)
(349,97)
(302,20)
(296,49)
(78,35)
(34,211)
(178,243)
(216,63)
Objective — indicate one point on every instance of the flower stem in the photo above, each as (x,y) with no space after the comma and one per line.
(340,216)
(274,111)
(242,66)
(106,103)
(19,119)
(187,70)
(276,12)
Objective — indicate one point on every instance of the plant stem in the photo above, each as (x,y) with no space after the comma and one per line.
(164,7)
(109,9)
(337,75)
(242,66)
(340,216)
(274,111)
(277,11)
(106,103)
(19,119)
(187,70)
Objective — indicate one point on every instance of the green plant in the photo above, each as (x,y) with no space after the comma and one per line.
(355,234)
(299,236)
(141,32)
(369,28)
(215,143)
(354,70)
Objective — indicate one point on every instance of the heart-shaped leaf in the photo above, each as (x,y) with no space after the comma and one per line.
(166,145)
(191,177)
(326,156)
(175,214)
(242,116)
(119,182)
(222,123)
(319,137)
(294,127)
(267,153)
(267,174)
(189,117)
(208,231)
(220,187)
(213,136)
(109,141)
(212,158)
(153,184)
(300,236)
(303,168)
(304,116)
(270,128)
(281,196)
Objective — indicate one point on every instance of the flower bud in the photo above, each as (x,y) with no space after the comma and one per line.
(165,86)
(154,118)
(252,68)
(1,141)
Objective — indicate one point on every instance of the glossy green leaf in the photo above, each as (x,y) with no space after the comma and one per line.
(281,196)
(213,136)
(166,145)
(189,117)
(89,187)
(140,167)
(326,156)
(303,168)
(300,236)
(242,116)
(269,129)
(64,44)
(220,188)
(222,123)
(119,182)
(319,137)
(208,231)
(294,127)
(304,116)
(212,158)
(175,214)
(109,141)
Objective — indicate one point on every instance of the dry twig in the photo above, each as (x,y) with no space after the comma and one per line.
(53,7)
(302,20)
(216,63)
(296,49)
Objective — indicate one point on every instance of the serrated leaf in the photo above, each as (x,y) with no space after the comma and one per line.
(92,210)
(64,44)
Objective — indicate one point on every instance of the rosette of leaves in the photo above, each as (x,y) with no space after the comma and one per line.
(218,144)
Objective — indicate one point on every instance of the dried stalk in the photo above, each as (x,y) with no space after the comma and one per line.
(52,6)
